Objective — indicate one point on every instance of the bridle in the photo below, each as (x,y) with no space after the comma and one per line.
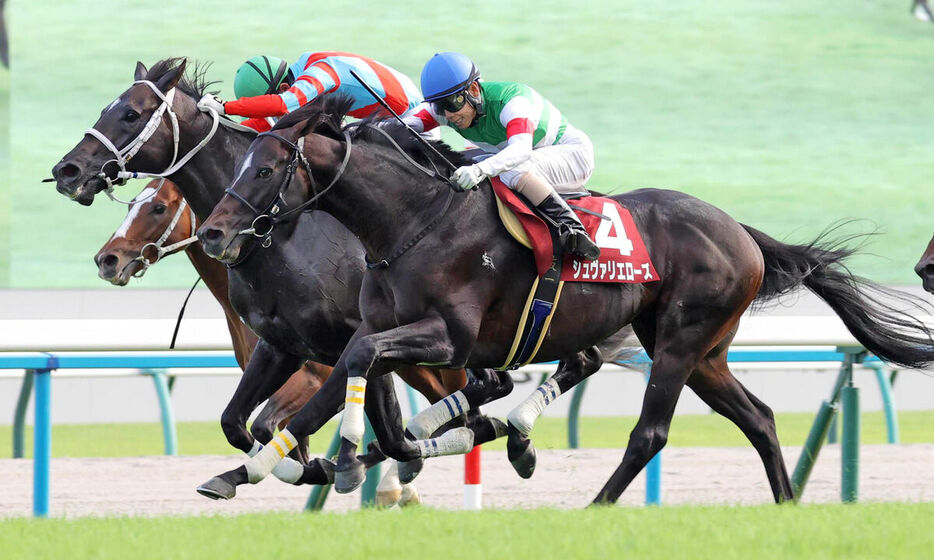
(265,221)
(122,156)
(157,245)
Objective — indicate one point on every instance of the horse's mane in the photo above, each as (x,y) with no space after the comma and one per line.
(325,114)
(194,82)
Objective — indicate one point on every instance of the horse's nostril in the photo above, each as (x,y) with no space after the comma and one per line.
(67,171)
(211,235)
(109,261)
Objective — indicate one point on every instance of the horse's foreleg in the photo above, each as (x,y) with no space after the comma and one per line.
(423,342)
(522,418)
(267,370)
(323,406)
(287,401)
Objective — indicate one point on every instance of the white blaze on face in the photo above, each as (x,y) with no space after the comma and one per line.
(112,105)
(147,193)
(246,165)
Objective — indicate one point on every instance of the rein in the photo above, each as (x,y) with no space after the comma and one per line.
(123,156)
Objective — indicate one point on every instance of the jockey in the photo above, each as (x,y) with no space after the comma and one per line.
(267,87)
(528,142)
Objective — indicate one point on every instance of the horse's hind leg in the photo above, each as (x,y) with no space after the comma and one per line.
(714,383)
(485,385)
(677,340)
(570,372)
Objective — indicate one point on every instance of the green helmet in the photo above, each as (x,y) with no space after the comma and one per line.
(260,75)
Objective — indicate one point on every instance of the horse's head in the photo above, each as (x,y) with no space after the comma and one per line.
(136,126)
(158,217)
(275,180)
(925,267)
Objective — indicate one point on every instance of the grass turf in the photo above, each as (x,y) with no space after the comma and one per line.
(827,531)
(788,115)
(121,440)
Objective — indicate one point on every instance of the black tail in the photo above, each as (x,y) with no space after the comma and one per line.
(892,334)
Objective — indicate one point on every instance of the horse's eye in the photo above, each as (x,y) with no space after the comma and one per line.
(159,209)
(264,172)
(130,115)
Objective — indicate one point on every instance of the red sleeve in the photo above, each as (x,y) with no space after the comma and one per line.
(260,106)
(518,125)
(428,121)
(257,124)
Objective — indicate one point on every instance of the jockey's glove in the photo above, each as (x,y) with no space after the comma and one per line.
(467,177)
(211,102)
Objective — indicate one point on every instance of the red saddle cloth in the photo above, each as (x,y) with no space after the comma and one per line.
(623,256)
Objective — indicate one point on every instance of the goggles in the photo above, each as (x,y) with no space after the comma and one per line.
(452,103)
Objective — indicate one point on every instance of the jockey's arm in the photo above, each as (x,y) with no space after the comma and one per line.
(315,80)
(421,118)
(516,117)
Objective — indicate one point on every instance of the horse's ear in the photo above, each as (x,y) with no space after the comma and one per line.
(310,125)
(171,78)
(140,71)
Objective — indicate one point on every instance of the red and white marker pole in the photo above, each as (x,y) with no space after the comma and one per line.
(473,491)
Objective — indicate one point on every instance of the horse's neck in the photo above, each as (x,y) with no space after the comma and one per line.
(203,179)
(384,210)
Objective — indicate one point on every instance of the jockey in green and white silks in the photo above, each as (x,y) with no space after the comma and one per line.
(529,144)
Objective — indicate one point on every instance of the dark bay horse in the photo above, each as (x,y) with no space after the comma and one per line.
(925,267)
(159,218)
(299,295)
(453,295)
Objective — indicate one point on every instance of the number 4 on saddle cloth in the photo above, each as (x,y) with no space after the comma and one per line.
(623,259)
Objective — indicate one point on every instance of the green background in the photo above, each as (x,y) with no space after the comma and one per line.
(789,115)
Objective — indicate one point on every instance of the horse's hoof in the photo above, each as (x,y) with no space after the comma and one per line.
(388,498)
(409,496)
(217,488)
(327,466)
(520,451)
(350,478)
(410,469)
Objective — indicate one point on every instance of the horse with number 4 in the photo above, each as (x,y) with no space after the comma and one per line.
(447,284)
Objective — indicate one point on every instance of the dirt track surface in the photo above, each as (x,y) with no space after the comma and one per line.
(565,479)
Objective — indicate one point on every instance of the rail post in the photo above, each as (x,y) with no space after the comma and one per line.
(19,417)
(167,414)
(888,400)
(368,490)
(849,444)
(473,488)
(320,493)
(823,423)
(574,415)
(42,444)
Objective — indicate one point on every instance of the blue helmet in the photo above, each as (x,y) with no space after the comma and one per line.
(447,73)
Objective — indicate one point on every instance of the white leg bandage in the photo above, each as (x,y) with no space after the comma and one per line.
(427,421)
(288,470)
(452,442)
(255,449)
(523,416)
(352,425)
(259,466)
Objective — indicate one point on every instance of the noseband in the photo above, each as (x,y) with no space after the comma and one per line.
(266,220)
(157,245)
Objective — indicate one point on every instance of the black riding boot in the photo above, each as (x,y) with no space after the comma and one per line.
(571,231)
